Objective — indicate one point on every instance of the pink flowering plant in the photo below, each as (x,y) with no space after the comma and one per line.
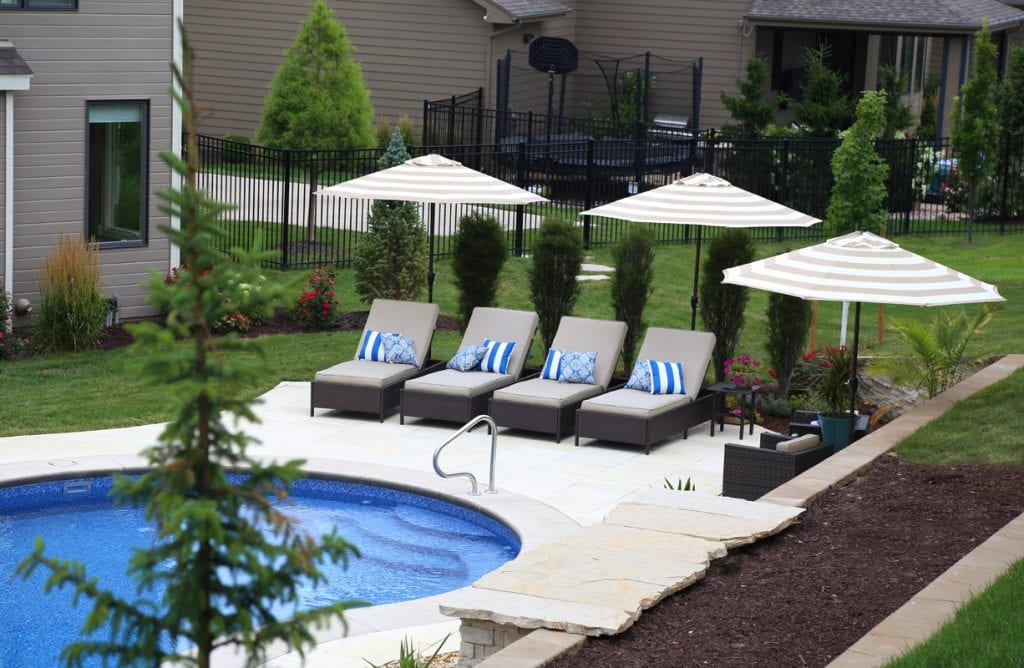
(317,307)
(745,371)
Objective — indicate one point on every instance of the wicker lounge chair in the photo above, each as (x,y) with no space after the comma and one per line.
(458,396)
(548,406)
(749,472)
(363,386)
(640,418)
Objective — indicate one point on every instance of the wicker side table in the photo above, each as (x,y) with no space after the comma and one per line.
(747,396)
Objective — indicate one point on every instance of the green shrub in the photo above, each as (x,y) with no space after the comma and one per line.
(237,148)
(72,308)
(859,193)
(822,108)
(898,118)
(390,260)
(751,111)
(631,285)
(384,130)
(478,255)
(721,306)
(775,407)
(928,126)
(789,321)
(317,99)
(557,257)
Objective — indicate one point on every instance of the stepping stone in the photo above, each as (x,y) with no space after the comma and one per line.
(599,268)
(592,277)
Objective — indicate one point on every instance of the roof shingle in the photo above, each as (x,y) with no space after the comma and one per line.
(11,61)
(959,15)
(529,9)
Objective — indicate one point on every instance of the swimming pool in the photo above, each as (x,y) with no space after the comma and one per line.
(412,546)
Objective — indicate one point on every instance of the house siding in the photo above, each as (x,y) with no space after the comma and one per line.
(104,51)
(408,50)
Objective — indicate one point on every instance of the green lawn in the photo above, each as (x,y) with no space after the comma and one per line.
(96,389)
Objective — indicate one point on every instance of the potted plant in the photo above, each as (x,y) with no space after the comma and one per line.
(833,391)
(743,371)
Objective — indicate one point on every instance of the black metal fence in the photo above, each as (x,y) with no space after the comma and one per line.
(273,190)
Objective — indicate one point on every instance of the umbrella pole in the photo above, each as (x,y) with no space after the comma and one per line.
(696,280)
(430,261)
(853,373)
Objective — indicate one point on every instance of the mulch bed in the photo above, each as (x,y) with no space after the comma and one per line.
(117,336)
(857,554)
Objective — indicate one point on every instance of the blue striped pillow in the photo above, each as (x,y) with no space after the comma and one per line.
(374,347)
(552,365)
(497,356)
(667,378)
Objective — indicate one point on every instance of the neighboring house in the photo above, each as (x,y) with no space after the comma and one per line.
(85,112)
(414,50)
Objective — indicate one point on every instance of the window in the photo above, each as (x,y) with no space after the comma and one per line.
(39,4)
(118,179)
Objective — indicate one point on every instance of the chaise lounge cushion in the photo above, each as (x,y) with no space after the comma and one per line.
(505,325)
(459,383)
(604,336)
(414,320)
(541,392)
(366,374)
(661,343)
(637,403)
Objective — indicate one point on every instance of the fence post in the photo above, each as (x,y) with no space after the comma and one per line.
(426,122)
(588,193)
(451,122)
(286,207)
(479,126)
(784,174)
(1004,204)
(517,243)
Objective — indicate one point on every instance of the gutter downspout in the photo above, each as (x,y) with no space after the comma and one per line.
(489,64)
(174,257)
(9,192)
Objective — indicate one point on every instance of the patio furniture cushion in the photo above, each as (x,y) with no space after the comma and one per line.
(691,349)
(366,373)
(458,383)
(594,334)
(468,358)
(667,378)
(540,391)
(488,322)
(400,350)
(373,347)
(414,320)
(799,444)
(637,403)
(640,378)
(497,355)
(552,365)
(577,367)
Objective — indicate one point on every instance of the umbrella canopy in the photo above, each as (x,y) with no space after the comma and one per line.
(862,267)
(433,179)
(703,200)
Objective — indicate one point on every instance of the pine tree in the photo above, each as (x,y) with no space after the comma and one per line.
(317,99)
(390,260)
(858,195)
(822,109)
(1011,93)
(897,115)
(928,127)
(751,111)
(236,558)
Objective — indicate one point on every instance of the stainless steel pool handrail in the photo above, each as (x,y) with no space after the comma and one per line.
(494,451)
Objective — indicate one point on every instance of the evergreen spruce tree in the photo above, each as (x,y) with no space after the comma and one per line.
(390,260)
(228,562)
(928,127)
(976,128)
(822,109)
(859,193)
(317,99)
(721,306)
(1011,93)
(632,284)
(557,257)
(897,115)
(751,111)
(789,322)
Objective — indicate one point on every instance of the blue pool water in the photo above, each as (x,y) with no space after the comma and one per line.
(412,546)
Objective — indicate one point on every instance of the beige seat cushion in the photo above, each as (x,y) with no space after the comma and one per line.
(459,383)
(366,374)
(635,403)
(540,392)
(799,444)
(414,320)
(590,334)
(692,349)
(502,324)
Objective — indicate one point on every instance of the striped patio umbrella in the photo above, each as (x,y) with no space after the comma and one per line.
(703,200)
(862,267)
(432,179)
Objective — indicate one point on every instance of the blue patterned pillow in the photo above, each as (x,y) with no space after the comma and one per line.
(577,367)
(552,365)
(667,378)
(468,358)
(400,350)
(374,347)
(640,379)
(497,356)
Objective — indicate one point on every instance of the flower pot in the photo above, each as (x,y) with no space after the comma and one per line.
(835,430)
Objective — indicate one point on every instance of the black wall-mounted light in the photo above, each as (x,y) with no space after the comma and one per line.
(527,38)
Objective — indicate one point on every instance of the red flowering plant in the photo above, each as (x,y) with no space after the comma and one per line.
(745,371)
(317,307)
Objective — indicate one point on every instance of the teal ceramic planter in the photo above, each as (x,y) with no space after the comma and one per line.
(835,430)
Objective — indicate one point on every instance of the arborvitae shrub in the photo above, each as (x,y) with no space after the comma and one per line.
(789,321)
(721,306)
(478,255)
(631,285)
(557,257)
